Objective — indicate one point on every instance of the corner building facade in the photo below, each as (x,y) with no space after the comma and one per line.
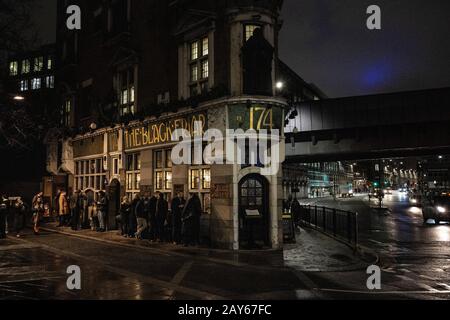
(137,71)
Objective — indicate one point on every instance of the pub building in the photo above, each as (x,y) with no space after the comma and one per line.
(137,71)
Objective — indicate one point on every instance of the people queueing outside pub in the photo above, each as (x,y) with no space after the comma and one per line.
(177,207)
(191,221)
(102,209)
(125,210)
(19,210)
(38,211)
(141,218)
(162,208)
(152,217)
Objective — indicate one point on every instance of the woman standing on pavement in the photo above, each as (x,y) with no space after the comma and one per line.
(38,211)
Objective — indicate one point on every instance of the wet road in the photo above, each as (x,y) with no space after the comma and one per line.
(415,261)
(415,257)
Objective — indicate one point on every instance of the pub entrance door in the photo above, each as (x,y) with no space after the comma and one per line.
(254,215)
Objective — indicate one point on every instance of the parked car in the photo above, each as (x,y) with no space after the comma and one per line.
(436,208)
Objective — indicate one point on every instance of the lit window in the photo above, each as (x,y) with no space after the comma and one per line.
(38,64)
(249,30)
(200,179)
(194,73)
(26,66)
(24,85)
(159,180)
(88,175)
(36,83)
(163,171)
(13,68)
(159,159)
(49,63)
(195,177)
(132,94)
(168,179)
(124,99)
(199,66)
(205,46)
(50,82)
(127,92)
(205,69)
(206,178)
(194,50)
(133,174)
(66,111)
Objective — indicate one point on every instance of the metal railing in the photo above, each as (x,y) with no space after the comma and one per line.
(342,225)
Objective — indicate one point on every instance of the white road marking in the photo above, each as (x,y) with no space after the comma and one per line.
(181,274)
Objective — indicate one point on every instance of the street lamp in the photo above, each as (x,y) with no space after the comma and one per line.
(279,85)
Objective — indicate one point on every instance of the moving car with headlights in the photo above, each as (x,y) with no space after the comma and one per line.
(436,208)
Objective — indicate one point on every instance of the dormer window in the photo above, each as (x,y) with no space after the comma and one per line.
(199,66)
(13,68)
(127,92)
(249,30)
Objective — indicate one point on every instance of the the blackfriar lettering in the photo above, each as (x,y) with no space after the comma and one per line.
(161,132)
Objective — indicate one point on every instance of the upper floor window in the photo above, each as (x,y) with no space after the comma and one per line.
(38,64)
(49,63)
(36,83)
(24,85)
(249,30)
(13,68)
(127,92)
(26,66)
(66,111)
(50,82)
(199,66)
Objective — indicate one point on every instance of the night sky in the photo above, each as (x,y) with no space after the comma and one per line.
(327,43)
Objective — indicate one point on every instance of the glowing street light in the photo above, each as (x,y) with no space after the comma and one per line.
(18,98)
(279,85)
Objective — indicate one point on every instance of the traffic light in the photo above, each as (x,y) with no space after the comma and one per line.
(376,184)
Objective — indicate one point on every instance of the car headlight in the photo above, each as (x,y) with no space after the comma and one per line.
(441,209)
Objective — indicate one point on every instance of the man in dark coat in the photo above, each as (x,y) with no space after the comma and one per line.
(162,209)
(76,203)
(132,225)
(4,207)
(19,210)
(178,204)
(152,217)
(125,209)
(191,220)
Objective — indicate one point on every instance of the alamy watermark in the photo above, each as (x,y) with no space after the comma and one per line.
(73,21)
(247,148)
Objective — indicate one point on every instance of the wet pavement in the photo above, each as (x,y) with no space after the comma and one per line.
(415,261)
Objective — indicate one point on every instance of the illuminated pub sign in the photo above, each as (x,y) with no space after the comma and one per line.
(255,116)
(155,133)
